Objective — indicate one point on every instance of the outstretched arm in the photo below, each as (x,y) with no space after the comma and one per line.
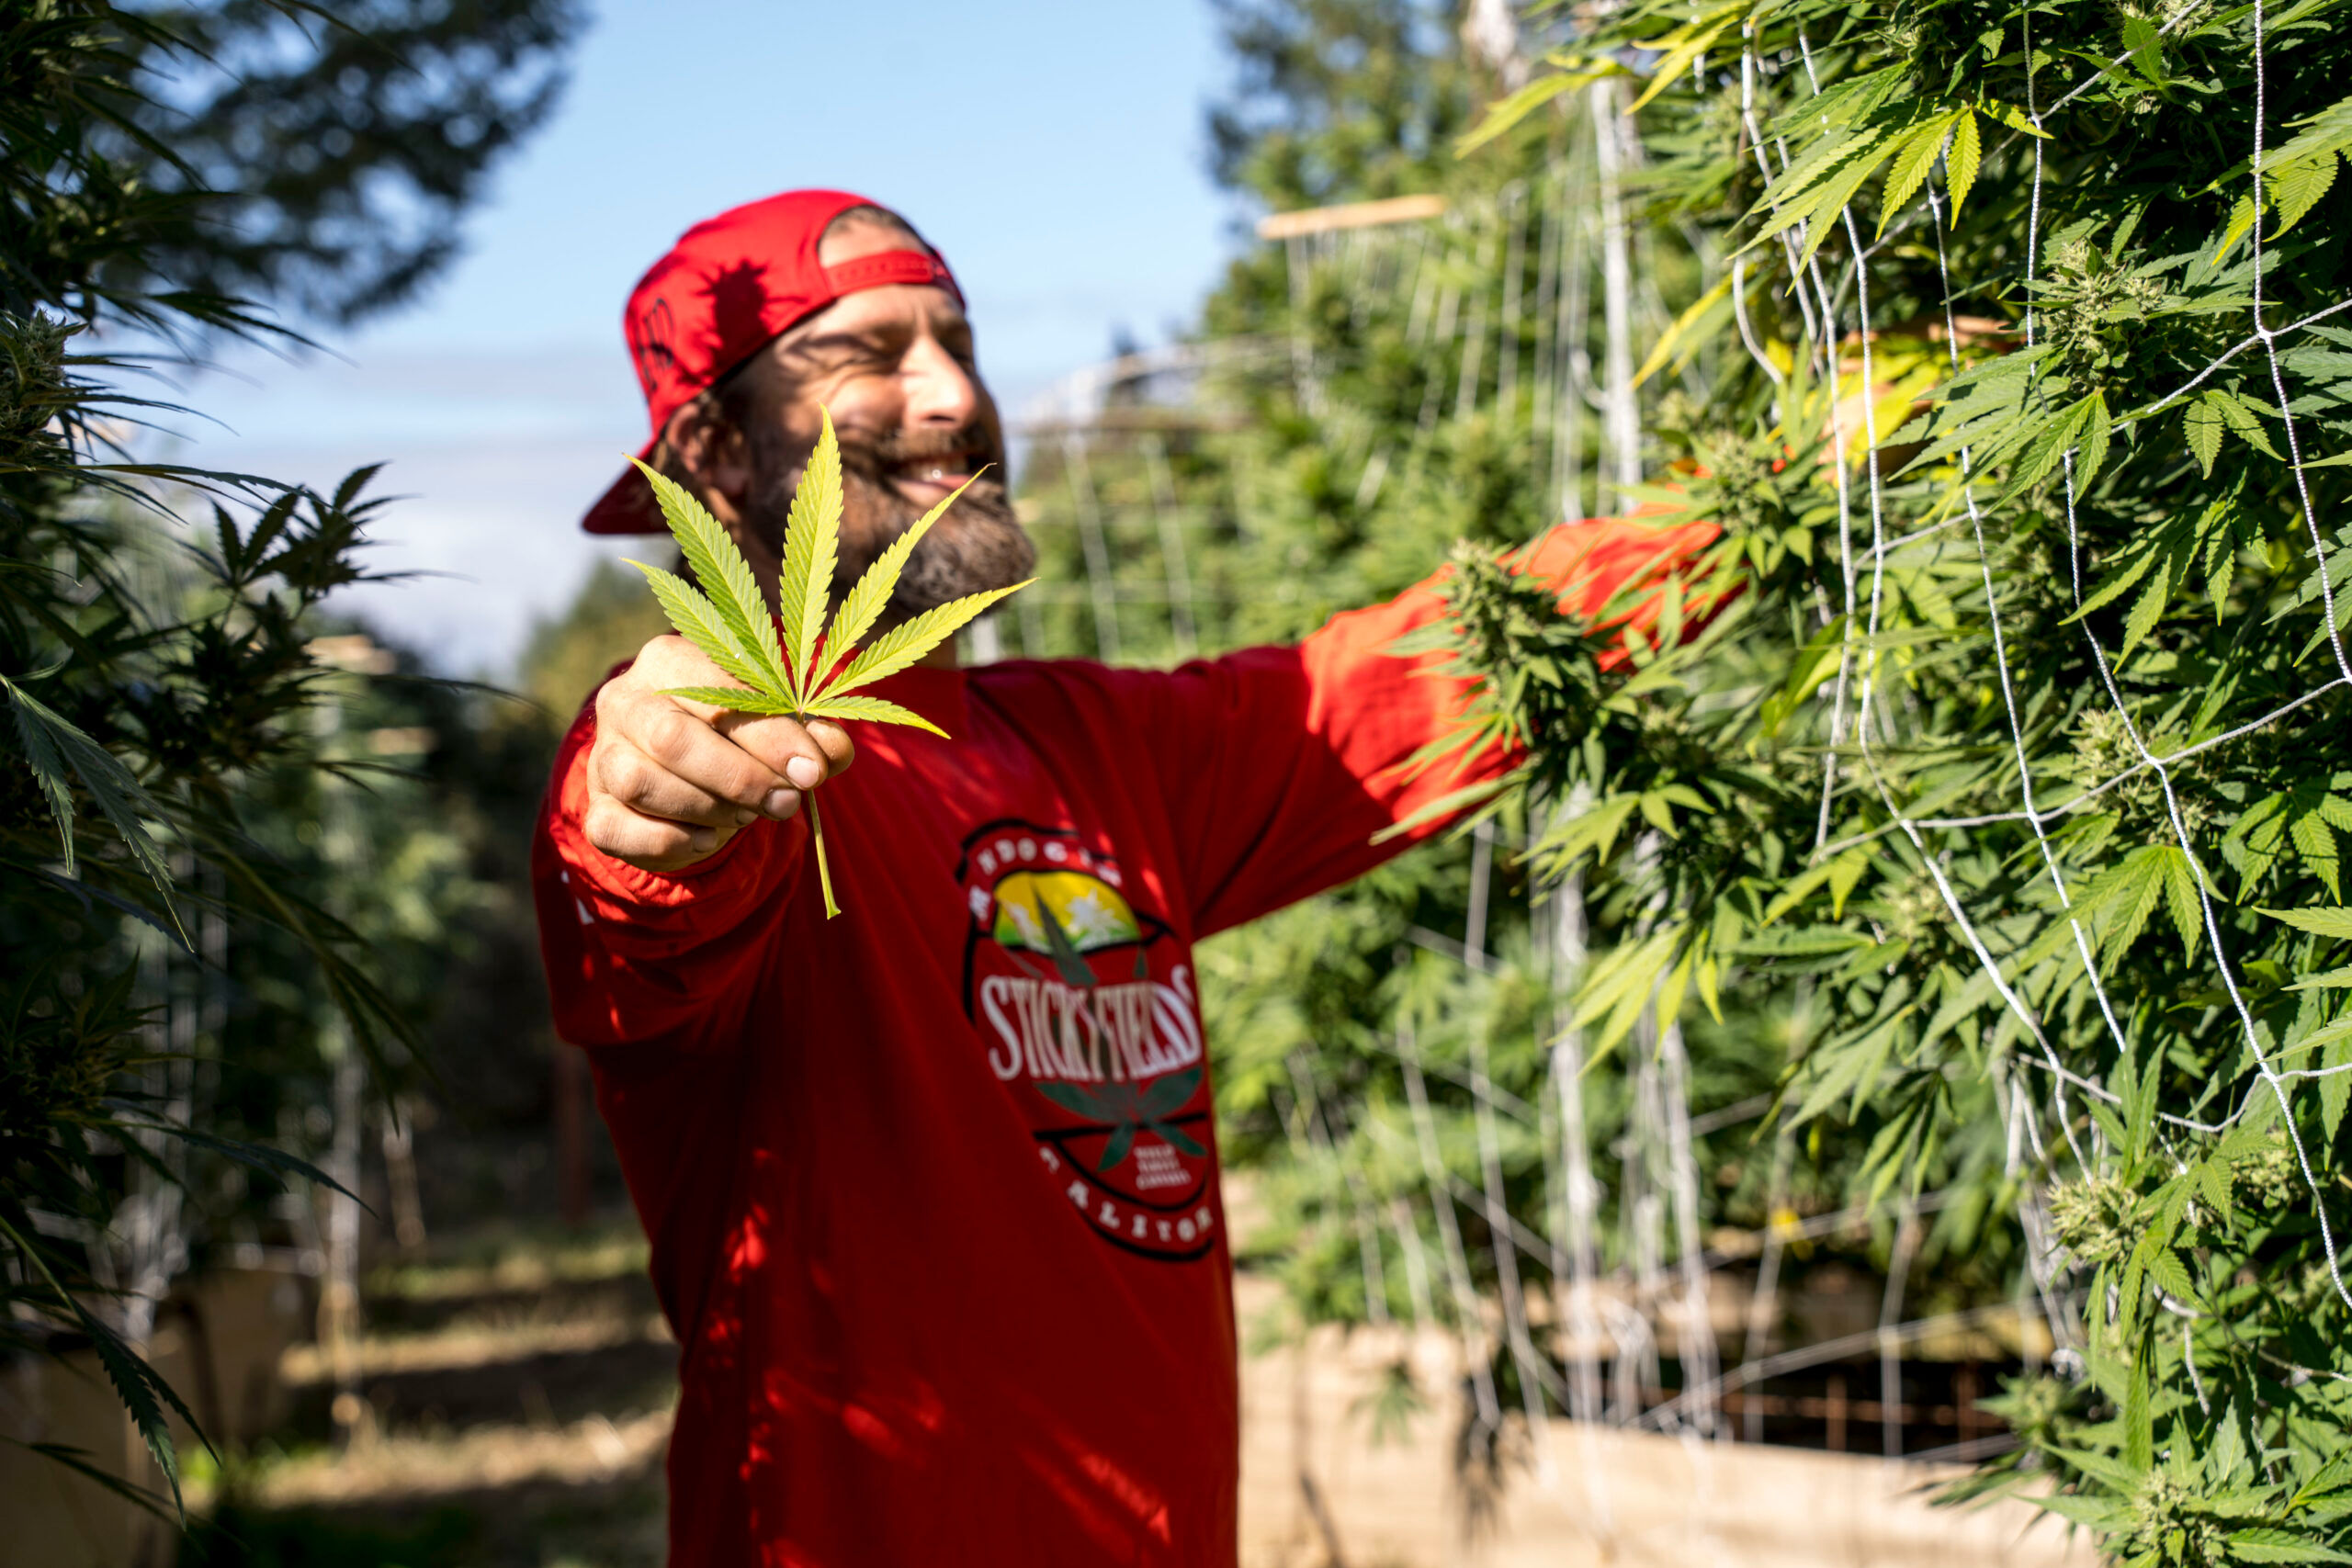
(1281,766)
(670,833)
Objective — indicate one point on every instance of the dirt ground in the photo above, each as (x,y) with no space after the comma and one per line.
(518,1390)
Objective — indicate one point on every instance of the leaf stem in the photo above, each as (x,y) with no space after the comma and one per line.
(824,871)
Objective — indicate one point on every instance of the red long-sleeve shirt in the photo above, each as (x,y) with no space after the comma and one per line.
(933,1186)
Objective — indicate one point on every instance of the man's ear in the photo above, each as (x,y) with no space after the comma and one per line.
(714,454)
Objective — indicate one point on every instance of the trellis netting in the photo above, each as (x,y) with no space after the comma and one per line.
(1425,1142)
(1960,854)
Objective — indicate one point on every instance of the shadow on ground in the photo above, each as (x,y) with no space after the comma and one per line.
(517,1391)
(615,1524)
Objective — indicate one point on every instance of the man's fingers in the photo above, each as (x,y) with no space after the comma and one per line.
(840,752)
(670,779)
(649,844)
(807,755)
(693,750)
(642,785)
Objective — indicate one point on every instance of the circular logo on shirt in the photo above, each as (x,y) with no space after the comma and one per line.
(1086,1007)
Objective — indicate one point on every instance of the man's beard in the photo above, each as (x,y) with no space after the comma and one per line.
(978,545)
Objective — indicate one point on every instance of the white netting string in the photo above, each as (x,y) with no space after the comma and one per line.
(1492,342)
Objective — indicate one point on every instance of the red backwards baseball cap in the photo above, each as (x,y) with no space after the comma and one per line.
(728,286)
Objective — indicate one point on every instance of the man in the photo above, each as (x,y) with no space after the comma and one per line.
(932,1187)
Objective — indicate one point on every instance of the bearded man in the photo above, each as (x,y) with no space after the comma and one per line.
(932,1187)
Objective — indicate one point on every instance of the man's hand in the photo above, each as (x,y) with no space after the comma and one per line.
(670,780)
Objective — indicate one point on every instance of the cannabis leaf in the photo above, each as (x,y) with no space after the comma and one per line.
(52,746)
(2166,557)
(1128,1109)
(141,1389)
(808,671)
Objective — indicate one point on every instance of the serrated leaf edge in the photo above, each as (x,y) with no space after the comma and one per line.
(905,643)
(727,584)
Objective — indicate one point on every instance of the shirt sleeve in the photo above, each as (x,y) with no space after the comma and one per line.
(641,957)
(1281,766)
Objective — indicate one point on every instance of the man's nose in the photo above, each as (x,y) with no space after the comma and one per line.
(940,390)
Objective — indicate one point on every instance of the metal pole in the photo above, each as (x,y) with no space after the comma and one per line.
(1571,352)
(1099,580)
(1507,344)
(1182,625)
(1469,1312)
(1890,1342)
(1575,1156)
(1623,426)
(1696,1340)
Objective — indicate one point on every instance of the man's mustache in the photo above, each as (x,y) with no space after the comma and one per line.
(872,458)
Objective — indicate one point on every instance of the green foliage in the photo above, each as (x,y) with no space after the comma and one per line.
(136,716)
(1338,100)
(815,670)
(156,633)
(2016,696)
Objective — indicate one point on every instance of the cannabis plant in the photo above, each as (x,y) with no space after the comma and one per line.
(155,621)
(2005,723)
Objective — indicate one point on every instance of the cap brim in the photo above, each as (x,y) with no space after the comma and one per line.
(628,506)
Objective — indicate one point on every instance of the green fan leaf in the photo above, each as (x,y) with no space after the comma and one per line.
(49,771)
(1962,161)
(144,1393)
(902,645)
(811,549)
(864,603)
(2059,435)
(2319,922)
(51,746)
(731,626)
(2336,1089)
(141,1389)
(2090,449)
(1685,45)
(78,1460)
(2202,424)
(2299,187)
(257,1157)
(2240,415)
(1501,115)
(2265,1545)
(873,710)
(699,622)
(1916,155)
(734,699)
(725,576)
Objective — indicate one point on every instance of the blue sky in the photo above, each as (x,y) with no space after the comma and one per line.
(1053,150)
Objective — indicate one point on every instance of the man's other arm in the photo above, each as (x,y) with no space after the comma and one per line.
(1282,764)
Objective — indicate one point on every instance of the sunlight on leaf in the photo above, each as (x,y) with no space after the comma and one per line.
(804,678)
